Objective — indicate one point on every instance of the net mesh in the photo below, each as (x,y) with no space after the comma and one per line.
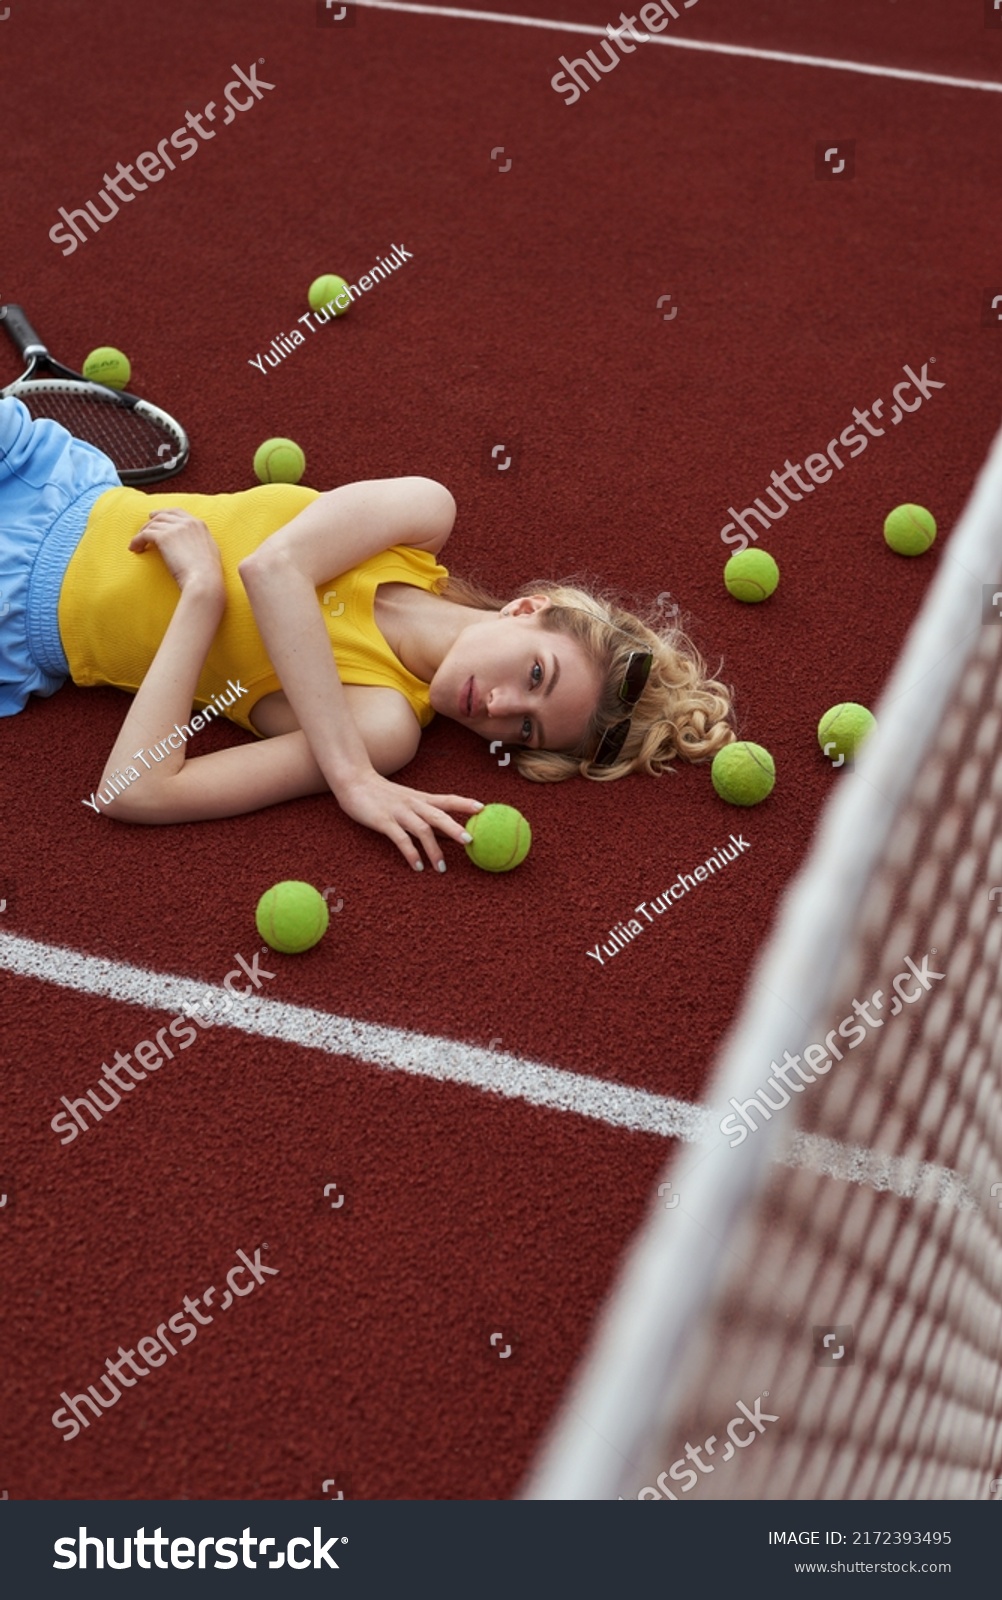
(143,442)
(833,1287)
(913,1410)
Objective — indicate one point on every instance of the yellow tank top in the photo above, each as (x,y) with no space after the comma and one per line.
(114,605)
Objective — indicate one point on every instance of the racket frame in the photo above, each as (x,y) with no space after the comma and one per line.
(64,380)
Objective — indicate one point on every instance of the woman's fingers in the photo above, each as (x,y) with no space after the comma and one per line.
(414,833)
(185,544)
(405,844)
(455,802)
(408,817)
(446,803)
(437,820)
(422,829)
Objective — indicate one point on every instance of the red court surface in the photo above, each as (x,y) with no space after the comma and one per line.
(531,314)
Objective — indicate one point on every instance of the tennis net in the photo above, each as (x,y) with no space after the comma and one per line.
(837,1269)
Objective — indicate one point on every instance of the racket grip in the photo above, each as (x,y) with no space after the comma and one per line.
(21,331)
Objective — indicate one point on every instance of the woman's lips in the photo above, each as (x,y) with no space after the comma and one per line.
(470,700)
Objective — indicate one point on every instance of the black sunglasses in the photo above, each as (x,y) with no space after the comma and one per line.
(638,670)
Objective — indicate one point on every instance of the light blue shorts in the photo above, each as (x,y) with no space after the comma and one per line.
(49,482)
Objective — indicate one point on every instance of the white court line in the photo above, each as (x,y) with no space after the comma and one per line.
(424,1055)
(675,43)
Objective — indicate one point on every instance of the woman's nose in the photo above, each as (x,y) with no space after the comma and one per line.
(502,701)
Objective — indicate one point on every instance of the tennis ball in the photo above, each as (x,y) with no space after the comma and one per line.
(751,575)
(108,366)
(910,530)
(324,290)
(743,773)
(292,916)
(279,461)
(501,838)
(843,728)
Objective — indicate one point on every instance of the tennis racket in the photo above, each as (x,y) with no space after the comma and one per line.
(143,442)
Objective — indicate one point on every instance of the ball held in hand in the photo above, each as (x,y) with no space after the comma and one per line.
(324,291)
(108,366)
(501,838)
(279,461)
(842,730)
(743,773)
(910,530)
(751,575)
(292,916)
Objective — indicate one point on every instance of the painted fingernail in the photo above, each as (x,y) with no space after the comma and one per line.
(441,866)
(419,866)
(467,838)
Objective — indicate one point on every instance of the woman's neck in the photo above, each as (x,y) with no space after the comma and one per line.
(421,628)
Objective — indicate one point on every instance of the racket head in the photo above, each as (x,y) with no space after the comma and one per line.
(143,441)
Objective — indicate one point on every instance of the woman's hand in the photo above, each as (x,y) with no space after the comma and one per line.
(399,812)
(188,549)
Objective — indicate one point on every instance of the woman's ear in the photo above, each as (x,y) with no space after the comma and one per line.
(526,605)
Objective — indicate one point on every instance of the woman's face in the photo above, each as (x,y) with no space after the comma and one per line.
(508,678)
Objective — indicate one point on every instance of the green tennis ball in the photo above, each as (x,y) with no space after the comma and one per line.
(843,728)
(751,575)
(501,838)
(910,530)
(279,461)
(743,773)
(292,916)
(108,366)
(325,290)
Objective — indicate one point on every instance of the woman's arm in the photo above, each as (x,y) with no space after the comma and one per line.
(228,782)
(336,532)
(167,692)
(231,782)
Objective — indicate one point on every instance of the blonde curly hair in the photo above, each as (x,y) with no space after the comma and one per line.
(682,713)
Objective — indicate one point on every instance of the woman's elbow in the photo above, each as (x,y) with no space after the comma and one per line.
(250,567)
(433,506)
(134,806)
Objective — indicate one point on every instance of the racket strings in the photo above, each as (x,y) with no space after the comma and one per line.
(134,439)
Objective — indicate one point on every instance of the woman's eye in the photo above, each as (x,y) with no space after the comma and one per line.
(526,729)
(533,679)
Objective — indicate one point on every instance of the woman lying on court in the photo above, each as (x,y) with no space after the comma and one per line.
(324,624)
